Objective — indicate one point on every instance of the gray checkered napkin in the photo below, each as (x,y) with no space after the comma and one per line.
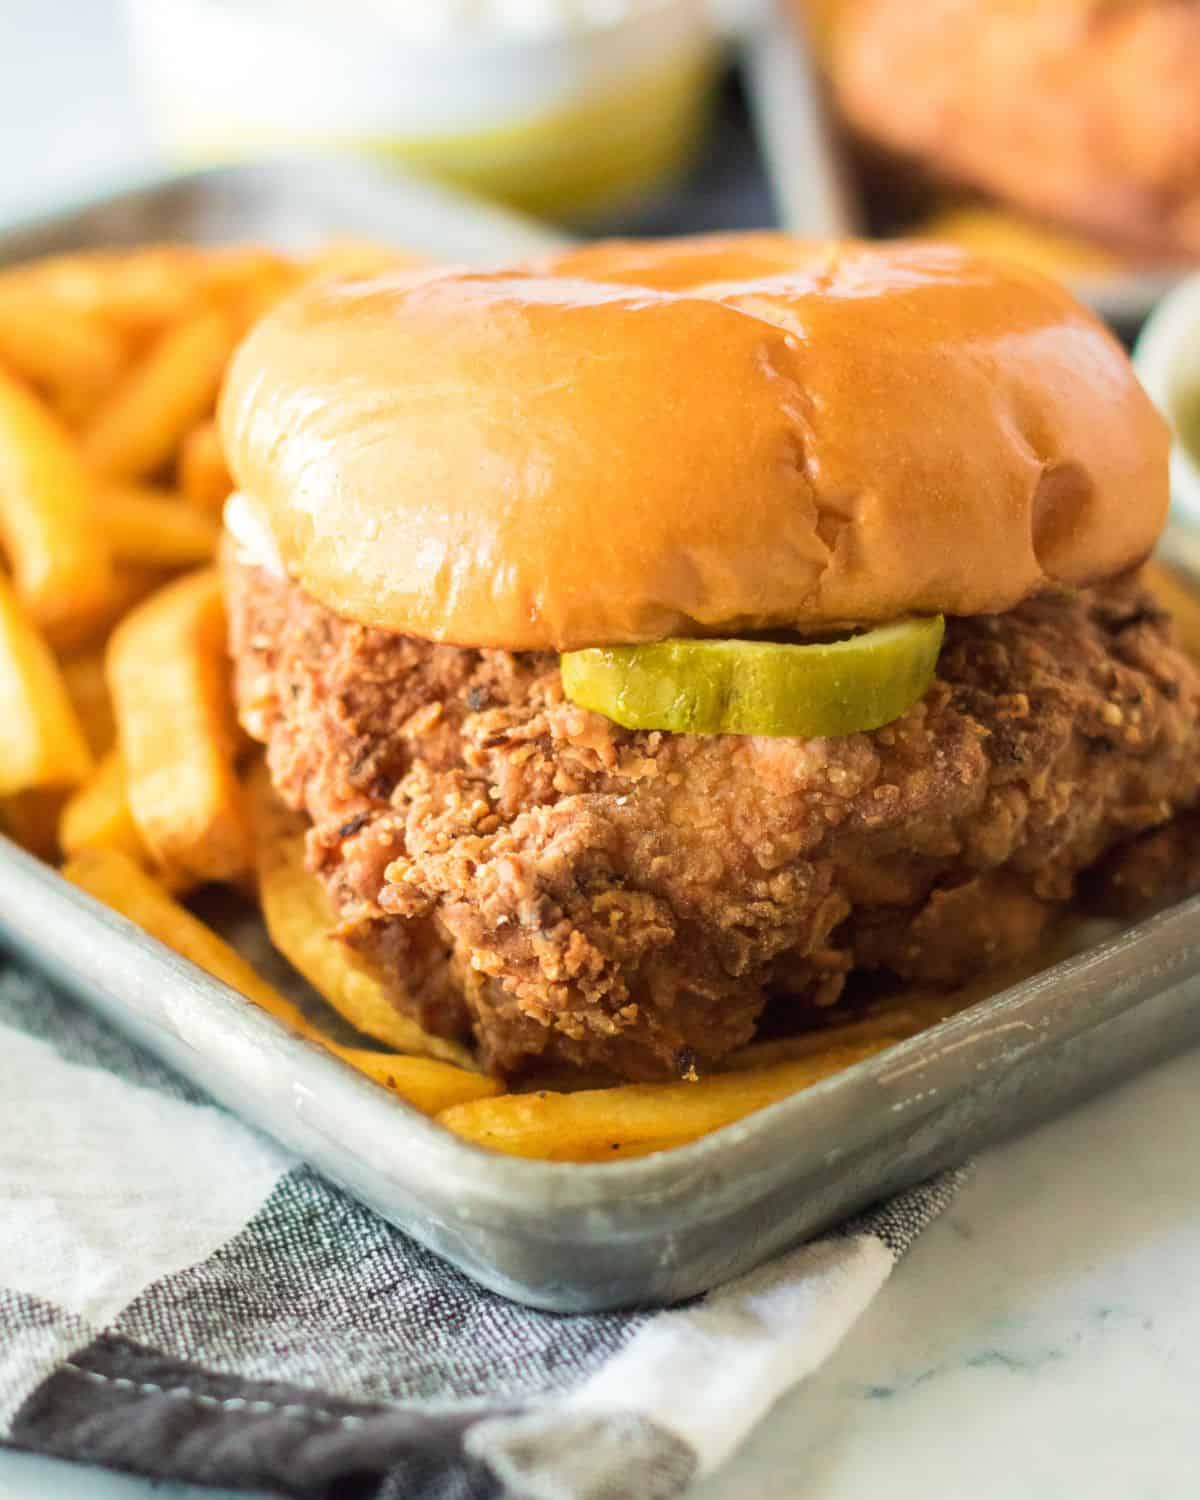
(181,1298)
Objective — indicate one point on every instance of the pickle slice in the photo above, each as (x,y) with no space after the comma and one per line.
(759,687)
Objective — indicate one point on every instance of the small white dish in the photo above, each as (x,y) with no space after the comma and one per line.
(1167,359)
(561,107)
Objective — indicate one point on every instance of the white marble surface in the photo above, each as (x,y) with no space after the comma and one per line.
(1042,1341)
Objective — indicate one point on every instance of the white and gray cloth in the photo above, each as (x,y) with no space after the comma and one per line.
(180,1297)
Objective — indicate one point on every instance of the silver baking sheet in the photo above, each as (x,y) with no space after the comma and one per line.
(555,1235)
(813,187)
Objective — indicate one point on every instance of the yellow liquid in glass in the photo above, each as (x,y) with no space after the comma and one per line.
(561,163)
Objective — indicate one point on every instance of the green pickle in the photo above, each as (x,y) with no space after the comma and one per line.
(805,690)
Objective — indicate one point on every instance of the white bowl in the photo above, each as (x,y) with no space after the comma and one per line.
(1167,359)
(558,106)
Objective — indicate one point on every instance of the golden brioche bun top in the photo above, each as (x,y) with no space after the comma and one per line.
(633,441)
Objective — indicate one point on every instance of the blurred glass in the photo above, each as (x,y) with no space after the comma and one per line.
(565,108)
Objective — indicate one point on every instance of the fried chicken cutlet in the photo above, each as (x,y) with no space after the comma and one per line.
(571,891)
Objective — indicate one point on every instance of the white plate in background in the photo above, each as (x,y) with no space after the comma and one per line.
(1167,359)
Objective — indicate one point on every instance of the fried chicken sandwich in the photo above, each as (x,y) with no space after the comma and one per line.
(655,633)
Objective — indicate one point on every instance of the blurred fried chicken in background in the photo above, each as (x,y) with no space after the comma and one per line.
(1083,112)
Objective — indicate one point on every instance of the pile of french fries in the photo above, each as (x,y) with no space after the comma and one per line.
(119,751)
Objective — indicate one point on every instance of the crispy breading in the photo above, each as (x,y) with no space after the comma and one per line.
(575,892)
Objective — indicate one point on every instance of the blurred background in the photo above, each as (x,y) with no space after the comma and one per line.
(580,109)
(71,115)
(1064,132)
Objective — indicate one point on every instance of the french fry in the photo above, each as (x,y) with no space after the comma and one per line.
(60,564)
(248,302)
(85,630)
(139,291)
(234,270)
(32,819)
(1174,593)
(427,1083)
(76,405)
(135,292)
(635,1119)
(119,882)
(97,815)
(155,529)
(53,347)
(301,923)
(893,1024)
(167,672)
(137,430)
(202,475)
(87,687)
(42,743)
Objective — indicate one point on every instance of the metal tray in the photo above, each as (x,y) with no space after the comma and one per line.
(561,1236)
(814,188)
(290,202)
